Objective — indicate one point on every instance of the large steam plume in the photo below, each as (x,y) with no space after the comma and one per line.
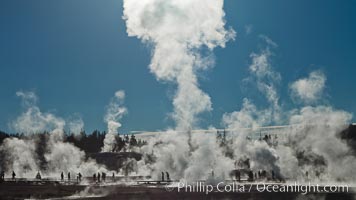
(178,31)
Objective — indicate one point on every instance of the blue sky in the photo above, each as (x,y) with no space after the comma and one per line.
(76,54)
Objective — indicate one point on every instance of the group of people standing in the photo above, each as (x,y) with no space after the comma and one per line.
(101,177)
(79,176)
(2,175)
(13,175)
(167,177)
(96,177)
(261,174)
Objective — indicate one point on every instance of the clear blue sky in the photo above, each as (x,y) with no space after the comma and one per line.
(76,54)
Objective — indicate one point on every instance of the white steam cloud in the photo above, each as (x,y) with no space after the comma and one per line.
(179,30)
(33,120)
(20,154)
(266,79)
(310,89)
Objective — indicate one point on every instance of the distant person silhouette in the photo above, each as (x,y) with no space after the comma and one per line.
(38,176)
(13,175)
(250,175)
(80,176)
(3,175)
(103,176)
(238,175)
(168,178)
(94,177)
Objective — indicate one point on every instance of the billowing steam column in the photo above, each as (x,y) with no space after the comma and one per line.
(114,113)
(183,34)
(179,30)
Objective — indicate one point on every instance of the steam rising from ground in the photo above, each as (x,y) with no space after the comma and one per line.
(32,120)
(114,113)
(20,154)
(178,31)
(266,79)
(311,144)
(310,149)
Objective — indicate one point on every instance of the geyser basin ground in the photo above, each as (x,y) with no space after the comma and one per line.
(56,190)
